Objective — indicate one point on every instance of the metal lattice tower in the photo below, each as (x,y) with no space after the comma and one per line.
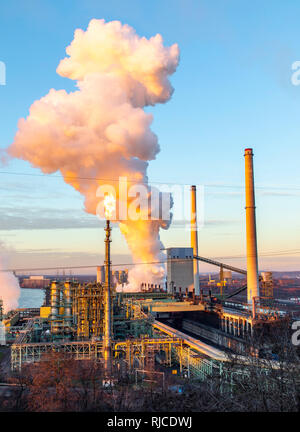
(88,310)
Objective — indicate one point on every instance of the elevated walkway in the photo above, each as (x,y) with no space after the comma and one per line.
(196,344)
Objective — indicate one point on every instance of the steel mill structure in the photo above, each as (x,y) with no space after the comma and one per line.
(178,325)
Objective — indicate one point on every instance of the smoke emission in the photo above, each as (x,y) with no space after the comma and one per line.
(101,130)
(9,289)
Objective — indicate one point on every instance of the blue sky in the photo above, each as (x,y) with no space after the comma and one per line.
(232,90)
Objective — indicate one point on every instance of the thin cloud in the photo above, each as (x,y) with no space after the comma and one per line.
(25,218)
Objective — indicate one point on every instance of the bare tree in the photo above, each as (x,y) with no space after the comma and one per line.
(269,378)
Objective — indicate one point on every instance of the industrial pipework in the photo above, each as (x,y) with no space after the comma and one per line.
(108,310)
(55,303)
(68,316)
(194,239)
(252,265)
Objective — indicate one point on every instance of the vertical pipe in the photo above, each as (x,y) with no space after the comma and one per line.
(221,280)
(252,265)
(54,306)
(68,317)
(99,275)
(107,314)
(194,239)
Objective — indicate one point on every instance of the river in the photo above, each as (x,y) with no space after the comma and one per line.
(31,298)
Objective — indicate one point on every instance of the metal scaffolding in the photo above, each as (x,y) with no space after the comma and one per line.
(32,352)
(88,310)
(195,364)
(136,352)
(141,352)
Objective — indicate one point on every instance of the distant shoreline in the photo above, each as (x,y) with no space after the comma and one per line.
(35,288)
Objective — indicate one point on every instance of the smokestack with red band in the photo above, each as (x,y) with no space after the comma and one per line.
(194,239)
(252,266)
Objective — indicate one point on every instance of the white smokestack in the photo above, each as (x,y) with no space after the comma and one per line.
(101,131)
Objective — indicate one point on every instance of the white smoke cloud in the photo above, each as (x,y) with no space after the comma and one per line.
(101,131)
(140,65)
(9,289)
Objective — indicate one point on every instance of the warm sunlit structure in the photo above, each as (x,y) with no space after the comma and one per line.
(109,207)
(252,264)
(194,239)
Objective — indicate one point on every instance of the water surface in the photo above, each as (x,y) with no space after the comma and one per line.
(31,298)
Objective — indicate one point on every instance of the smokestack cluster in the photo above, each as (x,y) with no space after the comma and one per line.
(252,264)
(100,131)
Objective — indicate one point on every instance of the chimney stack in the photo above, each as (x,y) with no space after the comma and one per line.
(107,303)
(194,239)
(252,265)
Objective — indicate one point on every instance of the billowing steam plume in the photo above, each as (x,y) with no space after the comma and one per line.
(101,131)
(9,290)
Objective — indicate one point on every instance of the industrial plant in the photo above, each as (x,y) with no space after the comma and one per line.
(179,325)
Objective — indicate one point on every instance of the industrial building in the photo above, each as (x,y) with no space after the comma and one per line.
(34,282)
(180,276)
(181,324)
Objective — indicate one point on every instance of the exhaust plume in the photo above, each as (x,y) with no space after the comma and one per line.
(101,131)
(9,290)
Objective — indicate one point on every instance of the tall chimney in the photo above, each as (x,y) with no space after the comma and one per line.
(194,239)
(252,266)
(108,309)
